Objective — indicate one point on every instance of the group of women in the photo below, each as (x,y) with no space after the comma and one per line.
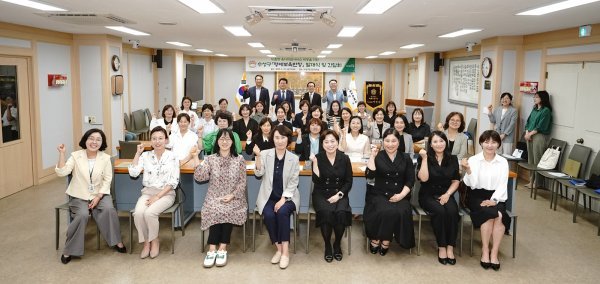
(330,149)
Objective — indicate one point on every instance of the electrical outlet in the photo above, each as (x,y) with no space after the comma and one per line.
(92,119)
(86,119)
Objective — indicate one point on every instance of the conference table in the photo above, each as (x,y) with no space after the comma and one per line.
(128,189)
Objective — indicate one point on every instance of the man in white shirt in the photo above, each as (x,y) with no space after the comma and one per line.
(257,93)
(334,94)
(283,94)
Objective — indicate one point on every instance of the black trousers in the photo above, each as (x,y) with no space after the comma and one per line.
(444,219)
(220,234)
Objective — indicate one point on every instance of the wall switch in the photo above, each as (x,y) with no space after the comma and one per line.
(92,119)
(86,119)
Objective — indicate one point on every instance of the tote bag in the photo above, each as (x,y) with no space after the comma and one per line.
(550,158)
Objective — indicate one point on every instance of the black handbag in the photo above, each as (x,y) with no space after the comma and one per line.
(521,145)
(593,182)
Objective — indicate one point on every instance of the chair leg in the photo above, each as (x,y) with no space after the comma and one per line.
(552,190)
(419,237)
(202,244)
(576,201)
(130,233)
(97,237)
(295,227)
(514,248)
(349,232)
(244,237)
(57,212)
(182,220)
(461,235)
(173,231)
(472,238)
(307,232)
(254,231)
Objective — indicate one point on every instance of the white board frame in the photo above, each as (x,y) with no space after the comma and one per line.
(464,82)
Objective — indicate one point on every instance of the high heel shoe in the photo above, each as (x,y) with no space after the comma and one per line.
(328,254)
(442,260)
(373,247)
(337,253)
(451,261)
(495,266)
(122,249)
(383,250)
(65,259)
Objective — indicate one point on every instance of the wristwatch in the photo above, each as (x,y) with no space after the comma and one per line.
(340,194)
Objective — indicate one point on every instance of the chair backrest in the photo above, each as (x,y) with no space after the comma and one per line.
(580,154)
(179,194)
(139,119)
(596,165)
(148,116)
(414,197)
(127,121)
(558,143)
(472,128)
(127,149)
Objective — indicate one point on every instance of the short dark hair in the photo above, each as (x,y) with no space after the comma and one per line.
(392,131)
(265,120)
(183,114)
(420,110)
(376,111)
(186,98)
(506,94)
(490,134)
(311,82)
(447,150)
(258,75)
(461,128)
(87,135)
(391,103)
(224,115)
(165,108)
(332,80)
(220,133)
(282,79)
(313,108)
(304,102)
(244,106)
(359,120)
(329,132)
(283,131)
(159,129)
(544,99)
(264,111)
(223,100)
(361,103)
(207,106)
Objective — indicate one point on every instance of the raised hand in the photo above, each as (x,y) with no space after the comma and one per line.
(61,148)
(256,150)
(490,108)
(374,150)
(140,149)
(465,164)
(423,154)
(249,134)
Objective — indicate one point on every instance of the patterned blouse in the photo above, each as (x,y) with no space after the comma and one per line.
(157,173)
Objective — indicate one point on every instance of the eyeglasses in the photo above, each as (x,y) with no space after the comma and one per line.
(92,139)
(225,139)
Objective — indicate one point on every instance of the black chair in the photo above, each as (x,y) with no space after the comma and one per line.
(533,169)
(586,191)
(127,149)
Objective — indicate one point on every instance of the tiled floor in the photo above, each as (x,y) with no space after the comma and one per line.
(550,248)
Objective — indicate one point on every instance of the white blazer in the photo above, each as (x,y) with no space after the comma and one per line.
(291,173)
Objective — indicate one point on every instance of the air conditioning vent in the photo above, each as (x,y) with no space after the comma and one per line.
(87,19)
(292,14)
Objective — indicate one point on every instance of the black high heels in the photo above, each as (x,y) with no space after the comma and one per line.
(451,261)
(122,249)
(495,266)
(373,247)
(337,253)
(383,250)
(65,259)
(442,260)
(328,255)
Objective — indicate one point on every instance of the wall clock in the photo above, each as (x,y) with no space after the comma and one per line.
(486,67)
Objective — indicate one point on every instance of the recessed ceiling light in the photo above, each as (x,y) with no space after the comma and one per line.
(265,51)
(204,50)
(256,44)
(221,55)
(178,43)
(271,55)
(555,7)
(371,56)
(127,30)
(378,6)
(335,45)
(461,32)
(410,46)
(321,56)
(203,6)
(237,30)
(326,52)
(387,53)
(348,31)
(35,5)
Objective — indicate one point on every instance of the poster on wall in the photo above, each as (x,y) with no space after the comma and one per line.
(463,86)
(373,93)
(299,64)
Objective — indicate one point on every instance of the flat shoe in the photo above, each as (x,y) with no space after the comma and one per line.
(121,249)
(383,251)
(65,259)
(276,258)
(284,262)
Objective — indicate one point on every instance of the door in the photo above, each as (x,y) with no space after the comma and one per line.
(16,162)
(413,82)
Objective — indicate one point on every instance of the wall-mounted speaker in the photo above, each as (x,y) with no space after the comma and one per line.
(158,58)
(437,61)
(116,85)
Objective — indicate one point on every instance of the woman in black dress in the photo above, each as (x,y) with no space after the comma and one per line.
(438,173)
(262,140)
(308,144)
(418,128)
(245,127)
(388,213)
(332,178)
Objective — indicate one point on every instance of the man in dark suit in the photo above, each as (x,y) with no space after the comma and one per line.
(283,94)
(314,99)
(257,93)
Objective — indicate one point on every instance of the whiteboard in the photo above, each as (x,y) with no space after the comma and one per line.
(463,85)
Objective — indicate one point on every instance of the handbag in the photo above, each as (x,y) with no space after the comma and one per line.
(463,194)
(550,158)
(593,182)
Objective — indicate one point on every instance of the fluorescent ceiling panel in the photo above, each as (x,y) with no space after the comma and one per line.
(127,30)
(334,45)
(256,44)
(555,7)
(411,46)
(349,31)
(36,5)
(387,53)
(237,30)
(204,50)
(178,43)
(378,7)
(460,33)
(203,6)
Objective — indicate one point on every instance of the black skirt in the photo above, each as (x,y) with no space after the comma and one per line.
(479,214)
(331,213)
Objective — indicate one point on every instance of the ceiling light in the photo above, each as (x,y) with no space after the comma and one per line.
(237,30)
(265,51)
(326,52)
(371,56)
(387,53)
(378,6)
(36,5)
(127,30)
(221,55)
(461,32)
(348,31)
(254,18)
(335,45)
(178,43)
(321,56)
(410,46)
(555,7)
(328,19)
(256,44)
(271,55)
(203,6)
(204,50)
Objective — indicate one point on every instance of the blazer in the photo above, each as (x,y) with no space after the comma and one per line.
(264,96)
(303,149)
(505,125)
(341,97)
(373,131)
(316,100)
(289,97)
(78,166)
(460,145)
(291,173)
(408,143)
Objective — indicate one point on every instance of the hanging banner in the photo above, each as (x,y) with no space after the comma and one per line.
(373,93)
(299,64)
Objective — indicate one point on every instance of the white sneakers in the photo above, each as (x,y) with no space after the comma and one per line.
(283,260)
(218,257)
